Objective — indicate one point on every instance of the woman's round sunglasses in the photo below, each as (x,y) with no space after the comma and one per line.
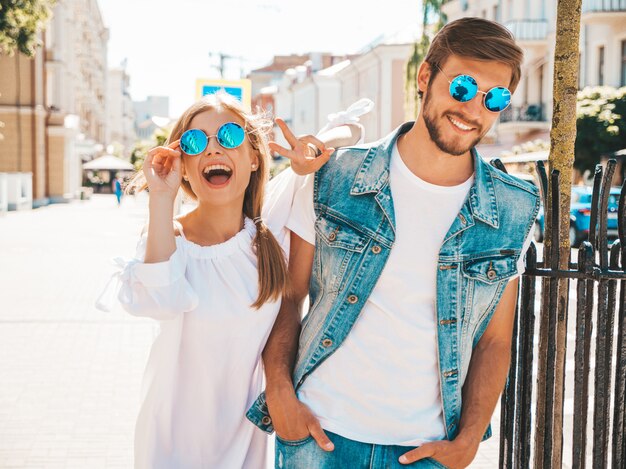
(194,141)
(463,88)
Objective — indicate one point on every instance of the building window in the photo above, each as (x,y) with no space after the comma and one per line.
(495,13)
(601,65)
(623,77)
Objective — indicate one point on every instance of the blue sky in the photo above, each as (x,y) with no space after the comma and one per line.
(167,44)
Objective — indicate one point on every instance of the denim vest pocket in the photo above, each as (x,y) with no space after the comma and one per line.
(484,281)
(336,244)
(491,269)
(339,235)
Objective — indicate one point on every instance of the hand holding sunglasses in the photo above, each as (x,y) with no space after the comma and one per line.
(464,88)
(162,169)
(307,154)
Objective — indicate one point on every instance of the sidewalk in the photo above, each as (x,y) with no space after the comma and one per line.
(70,374)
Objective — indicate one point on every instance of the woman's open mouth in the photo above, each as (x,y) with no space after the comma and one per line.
(217,174)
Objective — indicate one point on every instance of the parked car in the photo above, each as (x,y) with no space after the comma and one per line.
(580,215)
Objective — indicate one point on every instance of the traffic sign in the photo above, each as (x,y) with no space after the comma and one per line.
(240,89)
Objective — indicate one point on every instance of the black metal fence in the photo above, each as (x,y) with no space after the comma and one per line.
(532,422)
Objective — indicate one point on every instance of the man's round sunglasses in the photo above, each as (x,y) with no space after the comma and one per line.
(194,141)
(464,88)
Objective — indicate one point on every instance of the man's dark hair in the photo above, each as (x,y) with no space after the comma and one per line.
(478,39)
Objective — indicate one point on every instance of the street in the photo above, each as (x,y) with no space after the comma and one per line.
(71,374)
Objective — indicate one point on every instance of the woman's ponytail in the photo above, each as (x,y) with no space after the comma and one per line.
(272,266)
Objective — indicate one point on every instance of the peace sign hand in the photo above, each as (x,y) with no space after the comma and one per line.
(303,155)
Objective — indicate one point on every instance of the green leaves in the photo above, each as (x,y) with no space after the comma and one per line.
(600,128)
(432,15)
(20,23)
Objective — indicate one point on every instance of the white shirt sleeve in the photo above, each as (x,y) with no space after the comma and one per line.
(278,203)
(159,290)
(302,218)
(521,267)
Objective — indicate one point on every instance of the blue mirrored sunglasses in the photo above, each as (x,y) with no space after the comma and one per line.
(194,141)
(463,88)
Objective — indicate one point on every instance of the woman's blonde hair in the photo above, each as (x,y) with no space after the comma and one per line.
(272,265)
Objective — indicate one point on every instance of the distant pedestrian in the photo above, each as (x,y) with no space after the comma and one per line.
(117,189)
(214,278)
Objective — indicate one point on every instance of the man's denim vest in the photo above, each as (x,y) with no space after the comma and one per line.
(355,232)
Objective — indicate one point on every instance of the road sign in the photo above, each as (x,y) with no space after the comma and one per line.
(240,89)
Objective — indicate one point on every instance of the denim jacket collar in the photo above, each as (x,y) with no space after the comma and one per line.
(373,176)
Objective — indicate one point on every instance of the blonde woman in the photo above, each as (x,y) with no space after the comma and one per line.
(214,279)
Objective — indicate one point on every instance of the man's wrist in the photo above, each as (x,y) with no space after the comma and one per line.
(469,438)
(279,386)
(279,389)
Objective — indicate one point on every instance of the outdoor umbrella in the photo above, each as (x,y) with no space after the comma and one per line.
(108,163)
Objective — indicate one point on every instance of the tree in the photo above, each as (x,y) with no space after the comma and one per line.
(600,126)
(432,15)
(562,140)
(20,23)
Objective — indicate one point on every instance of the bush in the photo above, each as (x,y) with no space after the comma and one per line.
(599,124)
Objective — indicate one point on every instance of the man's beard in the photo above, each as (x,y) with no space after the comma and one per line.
(449,147)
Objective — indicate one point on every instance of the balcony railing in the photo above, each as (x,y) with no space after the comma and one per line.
(597,6)
(527,113)
(528,30)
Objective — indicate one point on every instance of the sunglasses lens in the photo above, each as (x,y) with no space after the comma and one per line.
(193,142)
(497,99)
(463,88)
(230,135)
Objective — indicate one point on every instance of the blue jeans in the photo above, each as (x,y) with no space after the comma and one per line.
(348,454)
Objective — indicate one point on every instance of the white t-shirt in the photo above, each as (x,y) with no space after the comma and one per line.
(382,385)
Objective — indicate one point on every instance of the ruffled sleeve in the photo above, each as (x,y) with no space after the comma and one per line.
(158,290)
(279,198)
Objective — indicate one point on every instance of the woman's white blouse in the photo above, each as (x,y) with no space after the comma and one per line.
(204,370)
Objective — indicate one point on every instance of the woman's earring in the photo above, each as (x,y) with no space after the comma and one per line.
(253,165)
(186,178)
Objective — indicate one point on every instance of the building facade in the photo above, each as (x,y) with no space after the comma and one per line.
(54,105)
(120,112)
(378,74)
(305,96)
(283,72)
(150,114)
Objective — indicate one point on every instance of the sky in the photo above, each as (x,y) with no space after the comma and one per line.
(167,44)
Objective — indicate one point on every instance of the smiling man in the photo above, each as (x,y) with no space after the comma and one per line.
(409,249)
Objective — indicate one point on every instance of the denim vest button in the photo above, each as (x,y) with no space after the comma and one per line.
(352,299)
(266,420)
(376,249)
(491,274)
(327,342)
(332,236)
